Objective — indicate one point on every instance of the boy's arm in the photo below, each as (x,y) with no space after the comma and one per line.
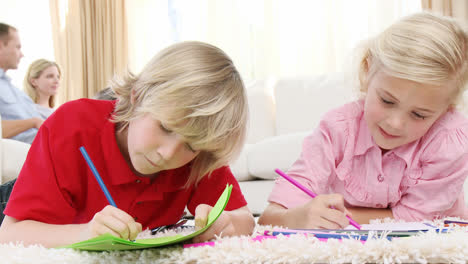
(109,220)
(230,223)
(31,232)
(11,128)
(314,214)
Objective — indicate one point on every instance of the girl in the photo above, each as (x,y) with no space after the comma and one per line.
(163,145)
(401,151)
(41,83)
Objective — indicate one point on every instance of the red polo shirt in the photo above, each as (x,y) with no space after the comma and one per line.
(56,185)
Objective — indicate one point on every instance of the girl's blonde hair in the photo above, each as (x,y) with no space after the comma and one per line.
(195,89)
(34,71)
(424,48)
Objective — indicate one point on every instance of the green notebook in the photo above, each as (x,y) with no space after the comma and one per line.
(110,242)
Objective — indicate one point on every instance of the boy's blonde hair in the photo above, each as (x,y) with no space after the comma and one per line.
(195,89)
(34,71)
(424,48)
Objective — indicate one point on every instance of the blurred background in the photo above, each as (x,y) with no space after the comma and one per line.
(94,39)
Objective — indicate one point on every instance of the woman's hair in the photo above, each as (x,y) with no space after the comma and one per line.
(34,71)
(424,47)
(195,89)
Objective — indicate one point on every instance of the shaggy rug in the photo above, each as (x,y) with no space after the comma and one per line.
(429,247)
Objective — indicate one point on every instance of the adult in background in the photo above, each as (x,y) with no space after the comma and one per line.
(41,83)
(20,119)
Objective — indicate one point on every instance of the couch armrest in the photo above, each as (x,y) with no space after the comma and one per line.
(13,154)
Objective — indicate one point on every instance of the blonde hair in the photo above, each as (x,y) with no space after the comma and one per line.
(34,71)
(195,89)
(424,47)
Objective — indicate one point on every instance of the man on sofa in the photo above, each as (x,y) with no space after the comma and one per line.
(20,119)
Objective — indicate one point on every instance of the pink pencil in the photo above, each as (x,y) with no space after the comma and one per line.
(311,194)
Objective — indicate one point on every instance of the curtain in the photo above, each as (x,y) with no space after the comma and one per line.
(90,43)
(454,8)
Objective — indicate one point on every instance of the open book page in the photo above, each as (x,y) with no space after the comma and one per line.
(110,242)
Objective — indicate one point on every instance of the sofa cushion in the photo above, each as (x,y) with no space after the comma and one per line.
(13,156)
(261,111)
(274,152)
(301,103)
(239,166)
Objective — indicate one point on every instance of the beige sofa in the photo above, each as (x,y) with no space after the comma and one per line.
(12,156)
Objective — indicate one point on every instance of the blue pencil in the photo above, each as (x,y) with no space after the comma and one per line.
(97,176)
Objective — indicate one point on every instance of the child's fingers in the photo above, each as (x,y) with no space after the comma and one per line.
(222,227)
(134,228)
(121,223)
(336,201)
(336,219)
(130,229)
(324,211)
(327,224)
(338,211)
(103,229)
(201,218)
(201,215)
(106,221)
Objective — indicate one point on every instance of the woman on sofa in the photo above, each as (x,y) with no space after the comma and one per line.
(41,83)
(401,150)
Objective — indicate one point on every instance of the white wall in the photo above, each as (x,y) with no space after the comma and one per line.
(32,19)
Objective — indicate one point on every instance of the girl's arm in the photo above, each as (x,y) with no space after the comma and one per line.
(109,220)
(362,215)
(230,223)
(435,188)
(314,214)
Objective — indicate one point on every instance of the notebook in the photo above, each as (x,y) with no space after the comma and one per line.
(390,230)
(110,242)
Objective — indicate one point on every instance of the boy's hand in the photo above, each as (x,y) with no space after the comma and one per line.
(318,213)
(222,226)
(115,222)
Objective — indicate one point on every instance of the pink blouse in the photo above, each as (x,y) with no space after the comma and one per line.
(420,180)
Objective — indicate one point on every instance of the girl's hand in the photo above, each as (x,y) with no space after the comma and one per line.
(113,221)
(229,223)
(318,213)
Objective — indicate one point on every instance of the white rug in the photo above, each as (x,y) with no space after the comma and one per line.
(429,247)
